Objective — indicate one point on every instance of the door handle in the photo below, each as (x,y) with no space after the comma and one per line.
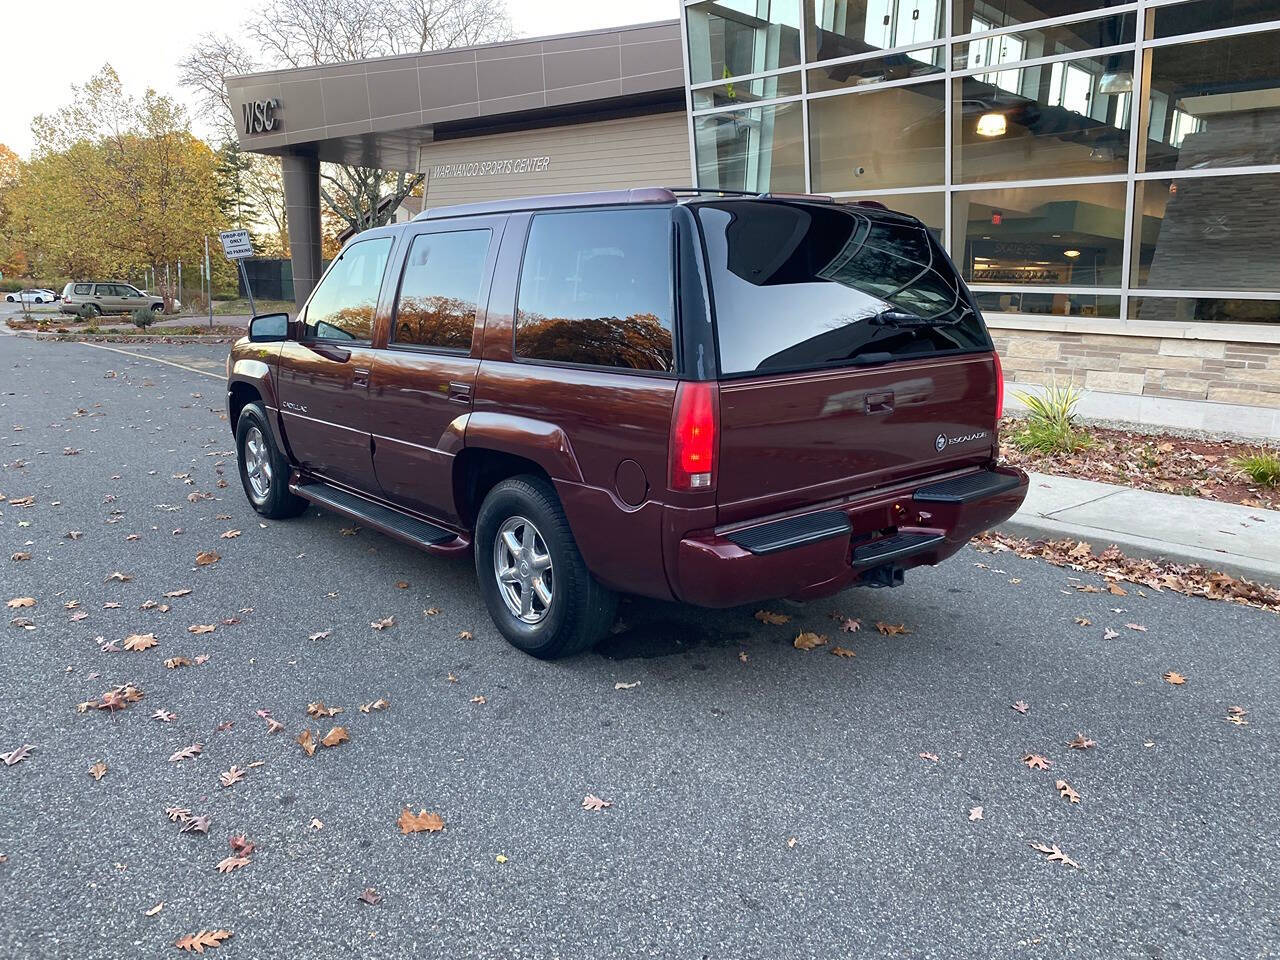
(459,391)
(359,377)
(878,402)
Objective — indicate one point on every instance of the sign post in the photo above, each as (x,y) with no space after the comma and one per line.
(208,279)
(237,246)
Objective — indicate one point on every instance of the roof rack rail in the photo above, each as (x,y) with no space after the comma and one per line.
(754,194)
(597,198)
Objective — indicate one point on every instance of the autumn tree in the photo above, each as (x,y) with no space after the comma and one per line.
(13,259)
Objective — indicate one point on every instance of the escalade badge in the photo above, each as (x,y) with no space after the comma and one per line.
(944,441)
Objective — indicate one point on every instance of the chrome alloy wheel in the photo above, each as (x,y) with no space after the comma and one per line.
(522,567)
(257,463)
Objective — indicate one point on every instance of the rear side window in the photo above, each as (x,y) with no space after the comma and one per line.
(595,288)
(804,285)
(441,284)
(342,306)
(83,289)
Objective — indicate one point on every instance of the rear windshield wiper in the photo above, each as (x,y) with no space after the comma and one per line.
(901,318)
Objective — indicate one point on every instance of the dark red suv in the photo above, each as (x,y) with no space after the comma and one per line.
(706,397)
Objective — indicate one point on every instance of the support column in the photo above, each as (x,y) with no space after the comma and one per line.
(301,175)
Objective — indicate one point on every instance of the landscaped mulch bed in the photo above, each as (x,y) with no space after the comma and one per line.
(1161,462)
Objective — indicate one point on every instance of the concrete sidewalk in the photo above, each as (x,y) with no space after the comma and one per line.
(1243,541)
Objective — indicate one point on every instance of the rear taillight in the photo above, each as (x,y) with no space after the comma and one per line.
(693,437)
(999,386)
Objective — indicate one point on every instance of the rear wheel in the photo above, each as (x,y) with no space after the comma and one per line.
(264,471)
(535,584)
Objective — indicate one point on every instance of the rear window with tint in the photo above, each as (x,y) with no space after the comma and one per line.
(84,289)
(805,285)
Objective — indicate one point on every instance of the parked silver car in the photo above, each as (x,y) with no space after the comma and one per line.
(111,297)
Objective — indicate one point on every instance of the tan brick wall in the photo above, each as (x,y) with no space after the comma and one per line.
(1214,370)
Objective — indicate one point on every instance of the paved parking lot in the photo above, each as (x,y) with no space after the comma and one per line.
(766,802)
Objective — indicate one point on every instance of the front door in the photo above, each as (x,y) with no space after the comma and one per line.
(422,381)
(324,376)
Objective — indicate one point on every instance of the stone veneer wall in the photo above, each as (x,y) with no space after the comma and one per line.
(1213,370)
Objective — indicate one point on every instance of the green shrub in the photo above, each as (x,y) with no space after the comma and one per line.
(91,328)
(1262,467)
(86,312)
(1051,426)
(143,317)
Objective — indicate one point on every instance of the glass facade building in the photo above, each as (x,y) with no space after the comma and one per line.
(1117,161)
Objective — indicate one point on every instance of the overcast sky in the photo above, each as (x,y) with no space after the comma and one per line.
(47,45)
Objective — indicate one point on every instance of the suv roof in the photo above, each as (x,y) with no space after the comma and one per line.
(607,198)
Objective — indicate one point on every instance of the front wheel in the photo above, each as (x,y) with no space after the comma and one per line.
(264,471)
(535,584)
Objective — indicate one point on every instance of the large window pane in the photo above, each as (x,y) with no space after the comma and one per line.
(845,28)
(1215,103)
(747,91)
(1039,303)
(1210,15)
(1207,233)
(893,66)
(759,149)
(1042,41)
(730,38)
(1050,236)
(972,16)
(595,288)
(1066,119)
(878,139)
(342,306)
(443,273)
(1190,310)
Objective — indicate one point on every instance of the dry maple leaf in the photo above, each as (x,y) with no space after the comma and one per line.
(768,616)
(370,896)
(1175,678)
(206,557)
(1064,789)
(1037,762)
(17,755)
(164,716)
(232,776)
(1054,855)
(307,742)
(201,941)
(1109,634)
(592,802)
(410,822)
(21,602)
(98,771)
(187,753)
(808,641)
(1020,706)
(202,628)
(320,711)
(842,652)
(891,629)
(173,663)
(1081,742)
(140,641)
(379,704)
(383,623)
(335,736)
(232,863)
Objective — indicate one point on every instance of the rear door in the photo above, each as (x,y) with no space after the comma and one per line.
(850,352)
(104,295)
(424,378)
(324,376)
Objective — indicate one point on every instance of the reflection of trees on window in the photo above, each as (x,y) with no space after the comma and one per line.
(639,342)
(354,322)
(436,321)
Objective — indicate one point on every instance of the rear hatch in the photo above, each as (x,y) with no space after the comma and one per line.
(851,354)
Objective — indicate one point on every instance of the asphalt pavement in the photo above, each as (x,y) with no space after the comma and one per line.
(766,802)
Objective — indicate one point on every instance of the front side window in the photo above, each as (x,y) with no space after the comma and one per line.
(595,288)
(440,288)
(343,305)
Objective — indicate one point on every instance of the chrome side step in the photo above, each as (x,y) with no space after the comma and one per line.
(413,531)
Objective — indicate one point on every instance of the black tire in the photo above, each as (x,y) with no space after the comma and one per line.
(581,610)
(157,308)
(275,501)
(94,309)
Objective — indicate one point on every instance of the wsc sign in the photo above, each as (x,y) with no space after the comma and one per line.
(259,116)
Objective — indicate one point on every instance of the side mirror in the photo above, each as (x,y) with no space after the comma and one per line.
(269,328)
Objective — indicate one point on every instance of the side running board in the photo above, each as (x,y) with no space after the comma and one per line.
(792,532)
(971,486)
(393,523)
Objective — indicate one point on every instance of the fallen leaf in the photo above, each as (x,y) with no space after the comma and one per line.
(1020,706)
(431,611)
(479,699)
(206,557)
(307,742)
(419,822)
(17,602)
(117,575)
(140,641)
(592,802)
(1054,854)
(370,896)
(98,771)
(1236,715)
(975,813)
(241,845)
(501,858)
(891,629)
(379,704)
(1065,791)
(316,824)
(202,628)
(173,663)
(850,625)
(1109,634)
(617,686)
(402,584)
(198,824)
(1136,626)
(349,531)
(1175,678)
(465,635)
(230,534)
(232,776)
(187,753)
(164,716)
(232,863)
(1037,762)
(383,623)
(1117,590)
(931,757)
(321,635)
(178,593)
(156,909)
(335,736)
(1084,622)
(17,755)
(320,711)
(274,725)
(842,652)
(808,641)
(1081,742)
(201,941)
(177,813)
(775,619)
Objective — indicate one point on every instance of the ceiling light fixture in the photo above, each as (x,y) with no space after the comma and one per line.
(1071,253)
(992,125)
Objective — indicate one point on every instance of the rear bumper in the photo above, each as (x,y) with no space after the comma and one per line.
(823,551)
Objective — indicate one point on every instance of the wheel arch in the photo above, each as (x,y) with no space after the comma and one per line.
(477,470)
